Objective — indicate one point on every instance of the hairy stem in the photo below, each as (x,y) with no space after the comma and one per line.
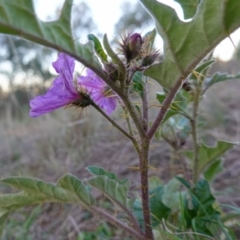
(194,124)
(145,188)
(117,223)
(166,105)
(145,106)
(115,124)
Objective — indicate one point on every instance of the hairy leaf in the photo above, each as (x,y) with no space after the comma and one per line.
(68,189)
(114,188)
(18,18)
(186,43)
(219,77)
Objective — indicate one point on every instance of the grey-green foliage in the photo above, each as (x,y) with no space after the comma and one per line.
(68,189)
(18,18)
(186,43)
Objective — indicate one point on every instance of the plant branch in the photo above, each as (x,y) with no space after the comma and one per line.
(165,107)
(114,123)
(145,106)
(117,223)
(145,188)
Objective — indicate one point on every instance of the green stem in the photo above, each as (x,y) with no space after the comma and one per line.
(195,140)
(113,123)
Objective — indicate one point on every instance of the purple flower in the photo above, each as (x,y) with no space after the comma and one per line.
(62,91)
(99,91)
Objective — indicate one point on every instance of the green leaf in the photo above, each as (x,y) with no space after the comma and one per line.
(18,18)
(101,172)
(98,47)
(149,38)
(219,77)
(138,83)
(212,171)
(3,218)
(21,199)
(115,189)
(183,181)
(158,209)
(186,43)
(68,189)
(197,73)
(75,186)
(208,155)
(178,106)
(189,7)
(203,214)
(171,197)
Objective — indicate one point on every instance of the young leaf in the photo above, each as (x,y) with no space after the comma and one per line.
(219,77)
(186,43)
(98,47)
(138,83)
(208,155)
(18,18)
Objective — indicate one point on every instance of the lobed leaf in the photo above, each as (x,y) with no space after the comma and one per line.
(101,172)
(189,7)
(18,18)
(186,43)
(68,189)
(113,189)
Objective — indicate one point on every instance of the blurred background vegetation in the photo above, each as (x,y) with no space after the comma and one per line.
(68,141)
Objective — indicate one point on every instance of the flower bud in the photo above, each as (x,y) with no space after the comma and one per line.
(149,59)
(133,46)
